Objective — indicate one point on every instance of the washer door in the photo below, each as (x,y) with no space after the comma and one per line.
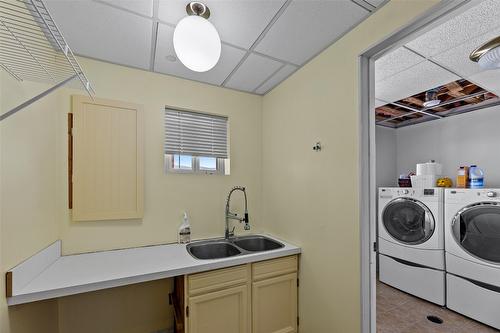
(408,221)
(476,228)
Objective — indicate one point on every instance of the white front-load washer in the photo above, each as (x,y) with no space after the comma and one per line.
(411,241)
(472,247)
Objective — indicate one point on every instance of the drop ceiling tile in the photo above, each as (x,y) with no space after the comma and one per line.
(126,41)
(165,53)
(375,3)
(395,62)
(307,27)
(276,79)
(489,80)
(475,21)
(414,80)
(379,103)
(255,70)
(143,7)
(457,59)
(239,22)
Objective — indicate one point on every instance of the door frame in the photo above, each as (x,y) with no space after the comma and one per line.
(367,157)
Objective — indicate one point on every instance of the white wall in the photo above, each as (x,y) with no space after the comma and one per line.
(386,156)
(471,138)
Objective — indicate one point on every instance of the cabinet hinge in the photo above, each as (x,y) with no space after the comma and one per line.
(375,246)
(298,283)
(298,321)
(187,311)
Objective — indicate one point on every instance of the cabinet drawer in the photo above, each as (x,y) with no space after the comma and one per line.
(275,267)
(219,279)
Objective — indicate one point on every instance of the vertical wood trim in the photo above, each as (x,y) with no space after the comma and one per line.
(140,159)
(8,284)
(70,160)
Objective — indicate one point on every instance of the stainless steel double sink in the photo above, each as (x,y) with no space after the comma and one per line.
(222,248)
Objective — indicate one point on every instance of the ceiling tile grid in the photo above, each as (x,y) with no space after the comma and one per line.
(127,41)
(477,20)
(418,78)
(274,80)
(441,54)
(395,62)
(308,26)
(167,63)
(263,41)
(142,7)
(457,58)
(252,72)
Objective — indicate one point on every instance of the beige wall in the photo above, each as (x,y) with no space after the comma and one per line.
(34,193)
(312,198)
(28,206)
(168,196)
(139,308)
(307,198)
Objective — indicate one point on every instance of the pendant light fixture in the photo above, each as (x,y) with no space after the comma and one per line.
(196,41)
(431,98)
(488,54)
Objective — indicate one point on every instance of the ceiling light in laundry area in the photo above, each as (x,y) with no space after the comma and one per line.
(488,54)
(196,41)
(431,98)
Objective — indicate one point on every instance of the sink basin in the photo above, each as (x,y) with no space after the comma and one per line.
(257,243)
(212,250)
(221,248)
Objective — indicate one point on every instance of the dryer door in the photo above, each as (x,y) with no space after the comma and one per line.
(476,228)
(408,221)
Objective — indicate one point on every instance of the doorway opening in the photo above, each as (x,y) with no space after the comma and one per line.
(419,92)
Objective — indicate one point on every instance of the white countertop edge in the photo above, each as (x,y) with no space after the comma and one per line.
(204,265)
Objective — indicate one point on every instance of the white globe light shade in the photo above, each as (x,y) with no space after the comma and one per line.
(491,59)
(197,43)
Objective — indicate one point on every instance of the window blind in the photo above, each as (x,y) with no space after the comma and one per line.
(196,134)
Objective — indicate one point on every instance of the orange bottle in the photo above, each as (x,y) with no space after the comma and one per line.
(463,177)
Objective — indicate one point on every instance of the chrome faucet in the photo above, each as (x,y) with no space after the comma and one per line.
(232,216)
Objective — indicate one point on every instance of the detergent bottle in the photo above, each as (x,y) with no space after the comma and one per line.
(476,177)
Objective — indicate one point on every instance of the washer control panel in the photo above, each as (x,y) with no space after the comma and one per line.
(388,193)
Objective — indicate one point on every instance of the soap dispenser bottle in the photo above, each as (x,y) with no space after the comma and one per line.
(184,230)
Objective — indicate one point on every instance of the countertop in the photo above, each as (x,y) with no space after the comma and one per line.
(79,273)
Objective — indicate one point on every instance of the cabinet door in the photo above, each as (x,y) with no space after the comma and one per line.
(107,160)
(225,311)
(274,305)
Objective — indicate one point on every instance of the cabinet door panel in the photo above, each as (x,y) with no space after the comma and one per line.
(274,305)
(225,311)
(107,160)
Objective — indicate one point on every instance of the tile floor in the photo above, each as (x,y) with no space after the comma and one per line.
(399,312)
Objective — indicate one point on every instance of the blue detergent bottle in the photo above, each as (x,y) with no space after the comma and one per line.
(476,177)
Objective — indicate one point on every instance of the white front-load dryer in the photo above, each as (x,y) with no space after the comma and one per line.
(472,247)
(411,241)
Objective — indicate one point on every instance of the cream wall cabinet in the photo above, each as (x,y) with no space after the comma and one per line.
(258,298)
(107,159)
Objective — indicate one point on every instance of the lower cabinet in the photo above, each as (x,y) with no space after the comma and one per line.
(225,310)
(252,298)
(274,305)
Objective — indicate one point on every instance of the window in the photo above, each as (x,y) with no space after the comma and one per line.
(195,142)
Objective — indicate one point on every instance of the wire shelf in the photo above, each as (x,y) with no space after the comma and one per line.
(32,47)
